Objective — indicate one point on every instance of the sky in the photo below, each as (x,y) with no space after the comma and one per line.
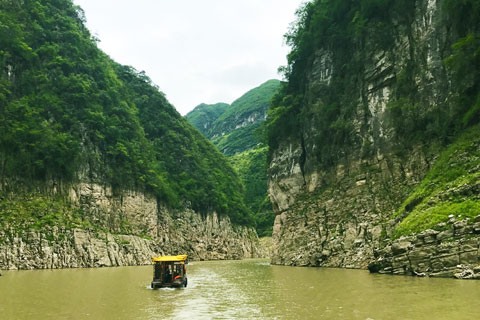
(195,51)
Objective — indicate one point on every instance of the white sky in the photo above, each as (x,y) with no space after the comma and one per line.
(196,51)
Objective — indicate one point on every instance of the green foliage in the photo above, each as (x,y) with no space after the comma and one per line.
(204,115)
(422,220)
(461,15)
(192,167)
(251,166)
(439,194)
(405,119)
(238,140)
(230,130)
(241,140)
(463,63)
(256,100)
(37,211)
(282,117)
(346,32)
(66,108)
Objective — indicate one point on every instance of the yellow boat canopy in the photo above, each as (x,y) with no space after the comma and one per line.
(180,258)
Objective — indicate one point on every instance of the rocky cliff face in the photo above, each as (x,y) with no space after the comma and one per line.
(341,215)
(336,217)
(128,229)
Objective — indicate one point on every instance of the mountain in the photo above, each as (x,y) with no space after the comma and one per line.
(204,115)
(236,132)
(89,145)
(373,140)
(231,128)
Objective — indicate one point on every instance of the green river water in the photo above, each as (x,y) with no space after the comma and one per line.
(248,289)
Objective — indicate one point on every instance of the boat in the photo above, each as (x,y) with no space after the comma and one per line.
(169,271)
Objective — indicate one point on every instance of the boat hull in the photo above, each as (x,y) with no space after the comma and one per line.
(175,284)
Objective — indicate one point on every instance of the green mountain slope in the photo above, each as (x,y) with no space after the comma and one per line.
(250,107)
(251,166)
(233,132)
(451,188)
(204,115)
(239,140)
(70,113)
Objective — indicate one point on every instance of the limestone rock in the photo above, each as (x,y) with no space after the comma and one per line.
(152,230)
(457,255)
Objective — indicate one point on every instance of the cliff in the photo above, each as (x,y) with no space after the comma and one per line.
(375,105)
(126,229)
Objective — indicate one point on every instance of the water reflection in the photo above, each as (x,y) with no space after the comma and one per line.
(250,289)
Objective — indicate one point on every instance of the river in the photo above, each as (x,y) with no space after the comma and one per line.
(248,289)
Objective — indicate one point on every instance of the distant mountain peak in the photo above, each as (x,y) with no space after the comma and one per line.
(230,127)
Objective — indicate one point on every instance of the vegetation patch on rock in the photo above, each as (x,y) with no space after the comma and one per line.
(451,188)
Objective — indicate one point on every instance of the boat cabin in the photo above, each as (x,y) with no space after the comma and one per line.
(169,271)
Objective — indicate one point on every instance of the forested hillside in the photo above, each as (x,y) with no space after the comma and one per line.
(68,113)
(237,131)
(205,115)
(231,127)
(251,166)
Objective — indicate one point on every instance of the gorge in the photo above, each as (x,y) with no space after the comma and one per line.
(370,148)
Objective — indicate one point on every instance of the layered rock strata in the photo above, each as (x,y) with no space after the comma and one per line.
(452,252)
(130,229)
(341,224)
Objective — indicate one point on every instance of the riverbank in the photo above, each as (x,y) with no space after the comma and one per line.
(84,248)
(91,226)
(449,250)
